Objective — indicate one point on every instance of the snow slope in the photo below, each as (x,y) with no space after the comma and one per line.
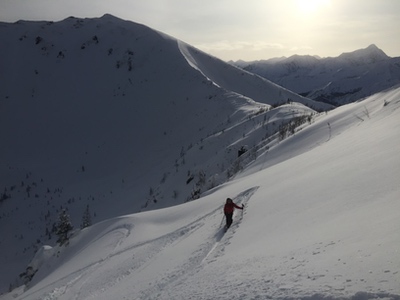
(116,116)
(322,223)
(337,80)
(242,82)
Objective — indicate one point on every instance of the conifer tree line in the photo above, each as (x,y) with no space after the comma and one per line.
(86,218)
(64,226)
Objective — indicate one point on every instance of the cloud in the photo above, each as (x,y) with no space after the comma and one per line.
(300,48)
(226,45)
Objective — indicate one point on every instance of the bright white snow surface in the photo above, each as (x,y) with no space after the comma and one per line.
(321,221)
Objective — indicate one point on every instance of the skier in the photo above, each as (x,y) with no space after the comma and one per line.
(228,211)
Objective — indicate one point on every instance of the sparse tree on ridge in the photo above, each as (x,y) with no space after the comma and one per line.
(63,228)
(86,218)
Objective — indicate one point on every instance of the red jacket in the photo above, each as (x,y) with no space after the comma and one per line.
(230,207)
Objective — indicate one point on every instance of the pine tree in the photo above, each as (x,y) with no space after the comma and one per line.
(86,218)
(63,227)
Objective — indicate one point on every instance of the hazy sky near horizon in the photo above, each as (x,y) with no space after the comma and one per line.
(242,29)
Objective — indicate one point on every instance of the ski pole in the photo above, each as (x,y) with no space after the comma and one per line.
(222,221)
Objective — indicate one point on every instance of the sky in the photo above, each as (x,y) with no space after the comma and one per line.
(237,29)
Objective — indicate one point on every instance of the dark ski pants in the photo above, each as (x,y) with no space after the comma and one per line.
(228,220)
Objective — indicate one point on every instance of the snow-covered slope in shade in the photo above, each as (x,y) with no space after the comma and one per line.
(243,82)
(321,224)
(338,80)
(112,114)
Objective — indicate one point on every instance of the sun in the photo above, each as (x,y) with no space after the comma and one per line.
(311,6)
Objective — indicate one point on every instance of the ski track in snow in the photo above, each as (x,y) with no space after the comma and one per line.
(207,252)
(134,259)
(218,248)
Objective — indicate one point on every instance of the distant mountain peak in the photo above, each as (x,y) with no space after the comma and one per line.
(336,80)
(372,46)
(302,58)
(373,49)
(109,17)
(371,54)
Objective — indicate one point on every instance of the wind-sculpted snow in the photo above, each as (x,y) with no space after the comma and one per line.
(84,274)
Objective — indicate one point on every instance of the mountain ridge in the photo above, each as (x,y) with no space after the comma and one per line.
(100,111)
(337,80)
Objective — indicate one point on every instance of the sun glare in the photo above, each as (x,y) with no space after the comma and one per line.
(311,6)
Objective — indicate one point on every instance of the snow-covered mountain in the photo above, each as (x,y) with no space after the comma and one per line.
(336,80)
(321,221)
(116,117)
(113,116)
